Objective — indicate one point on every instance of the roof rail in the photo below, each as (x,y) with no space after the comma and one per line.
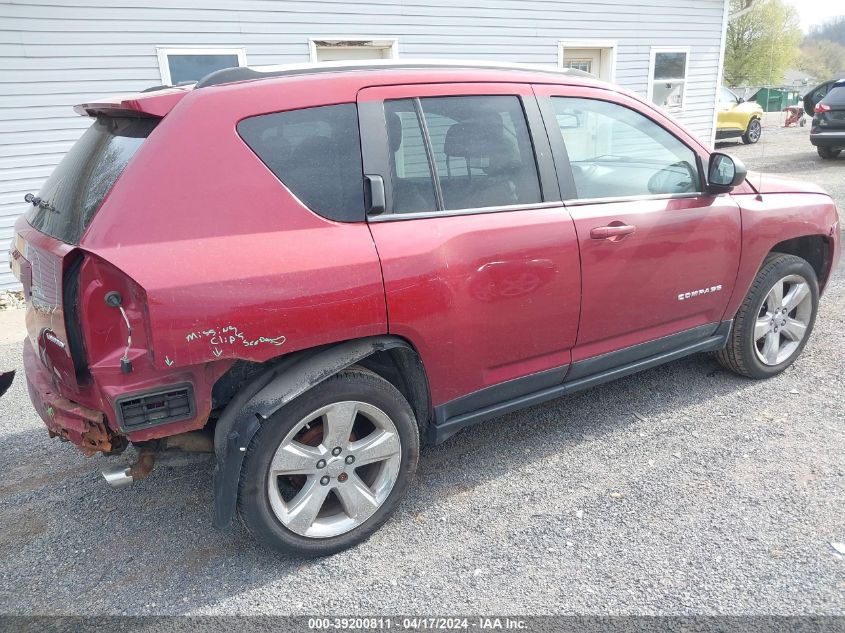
(166,87)
(245,73)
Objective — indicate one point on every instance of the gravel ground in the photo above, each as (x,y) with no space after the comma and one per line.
(683,490)
(787,152)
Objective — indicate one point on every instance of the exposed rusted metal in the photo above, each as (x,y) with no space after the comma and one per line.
(191,442)
(142,468)
(83,426)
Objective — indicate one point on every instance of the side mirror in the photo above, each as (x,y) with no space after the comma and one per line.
(740,100)
(724,173)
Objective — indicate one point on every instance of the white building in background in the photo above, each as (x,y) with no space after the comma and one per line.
(56,53)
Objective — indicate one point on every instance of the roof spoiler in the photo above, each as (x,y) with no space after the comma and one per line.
(149,104)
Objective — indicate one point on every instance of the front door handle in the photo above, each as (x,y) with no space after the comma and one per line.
(612,232)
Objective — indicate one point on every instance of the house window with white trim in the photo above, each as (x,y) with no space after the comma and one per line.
(336,50)
(667,78)
(180,65)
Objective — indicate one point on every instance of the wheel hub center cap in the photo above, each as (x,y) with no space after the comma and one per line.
(335,466)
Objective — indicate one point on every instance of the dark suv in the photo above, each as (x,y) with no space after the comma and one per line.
(317,269)
(828,130)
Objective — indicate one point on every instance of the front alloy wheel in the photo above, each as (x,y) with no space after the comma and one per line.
(775,320)
(783,319)
(329,468)
(753,133)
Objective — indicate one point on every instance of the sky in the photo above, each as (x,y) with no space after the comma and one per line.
(814,12)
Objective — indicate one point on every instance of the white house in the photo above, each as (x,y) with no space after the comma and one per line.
(56,53)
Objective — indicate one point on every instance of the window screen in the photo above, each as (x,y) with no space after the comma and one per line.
(316,153)
(670,65)
(616,152)
(193,67)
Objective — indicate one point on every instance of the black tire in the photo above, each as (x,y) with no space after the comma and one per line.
(753,132)
(740,353)
(254,508)
(826,152)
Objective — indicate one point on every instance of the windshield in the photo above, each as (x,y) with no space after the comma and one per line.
(728,97)
(79,184)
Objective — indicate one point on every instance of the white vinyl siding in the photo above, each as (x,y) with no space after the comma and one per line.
(57,53)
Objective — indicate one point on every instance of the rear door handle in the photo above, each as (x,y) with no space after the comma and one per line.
(374,197)
(612,232)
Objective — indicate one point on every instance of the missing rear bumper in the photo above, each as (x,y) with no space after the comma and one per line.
(84,427)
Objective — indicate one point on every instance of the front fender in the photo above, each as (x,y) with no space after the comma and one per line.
(774,216)
(270,391)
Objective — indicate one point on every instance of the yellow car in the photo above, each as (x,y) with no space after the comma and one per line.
(738,118)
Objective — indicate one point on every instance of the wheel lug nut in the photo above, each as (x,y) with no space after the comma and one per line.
(321,463)
(336,451)
(342,477)
(325,480)
(350,459)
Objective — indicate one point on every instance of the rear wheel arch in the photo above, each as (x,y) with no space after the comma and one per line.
(402,367)
(284,379)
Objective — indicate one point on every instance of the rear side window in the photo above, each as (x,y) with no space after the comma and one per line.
(316,153)
(482,150)
(479,149)
(413,186)
(77,187)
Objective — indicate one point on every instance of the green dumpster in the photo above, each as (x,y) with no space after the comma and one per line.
(775,99)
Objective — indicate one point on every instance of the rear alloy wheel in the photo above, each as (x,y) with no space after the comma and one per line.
(775,320)
(826,152)
(752,134)
(329,468)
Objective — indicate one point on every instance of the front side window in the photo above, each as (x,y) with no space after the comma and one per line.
(668,78)
(180,65)
(316,153)
(617,152)
(480,149)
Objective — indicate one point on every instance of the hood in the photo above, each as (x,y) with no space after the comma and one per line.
(764,183)
(748,106)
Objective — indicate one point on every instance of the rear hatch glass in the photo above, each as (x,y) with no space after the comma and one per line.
(835,100)
(77,187)
(836,97)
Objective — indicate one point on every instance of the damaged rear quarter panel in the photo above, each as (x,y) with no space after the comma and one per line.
(248,273)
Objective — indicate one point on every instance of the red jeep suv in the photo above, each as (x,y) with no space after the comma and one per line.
(313,270)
